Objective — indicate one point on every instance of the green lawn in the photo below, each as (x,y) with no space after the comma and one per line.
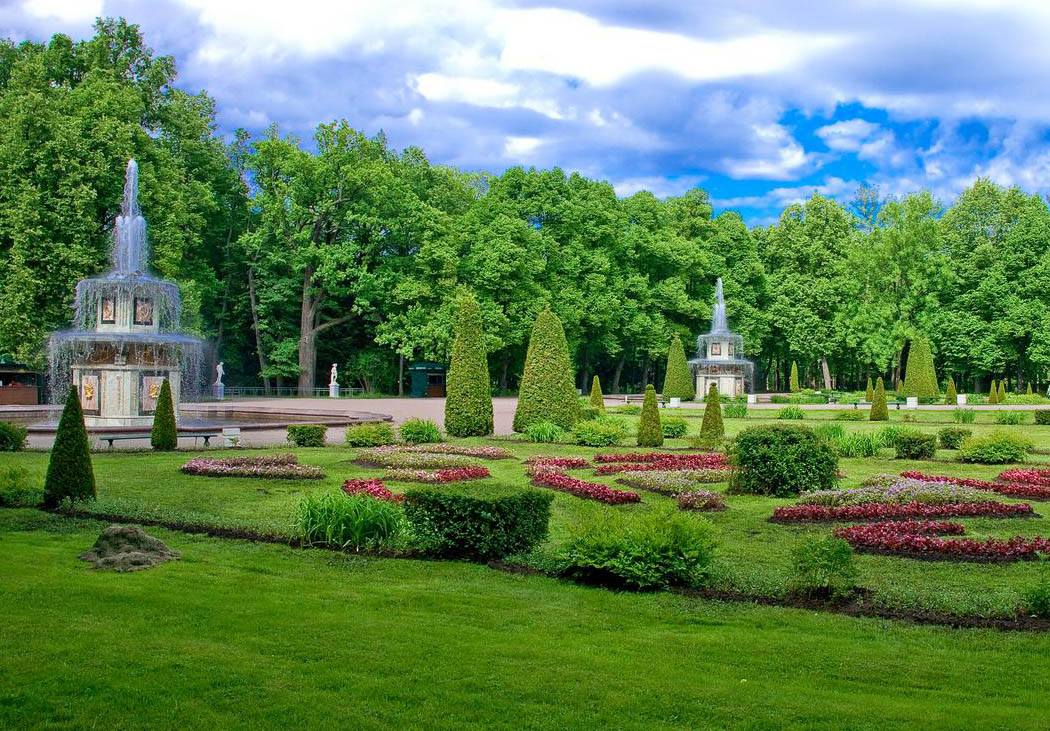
(255,635)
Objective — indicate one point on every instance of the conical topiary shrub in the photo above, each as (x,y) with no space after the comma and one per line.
(69,472)
(879,411)
(164,437)
(950,395)
(678,381)
(1029,391)
(793,384)
(597,400)
(993,392)
(650,433)
(920,378)
(547,392)
(712,428)
(869,392)
(1002,392)
(900,387)
(468,391)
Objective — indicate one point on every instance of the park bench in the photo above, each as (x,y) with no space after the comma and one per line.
(206,436)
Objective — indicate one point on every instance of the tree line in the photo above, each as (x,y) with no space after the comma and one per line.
(341,249)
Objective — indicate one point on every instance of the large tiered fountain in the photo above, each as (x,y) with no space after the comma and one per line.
(719,355)
(125,338)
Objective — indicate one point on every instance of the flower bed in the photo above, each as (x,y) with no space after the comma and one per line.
(665,463)
(372,488)
(565,463)
(897,490)
(275,466)
(460,449)
(1027,477)
(398,458)
(919,539)
(1010,489)
(673,482)
(552,478)
(702,500)
(714,458)
(458,474)
(882,512)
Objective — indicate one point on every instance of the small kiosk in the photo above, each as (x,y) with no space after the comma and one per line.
(19,384)
(427,379)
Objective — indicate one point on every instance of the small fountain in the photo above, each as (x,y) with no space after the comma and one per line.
(718,354)
(125,338)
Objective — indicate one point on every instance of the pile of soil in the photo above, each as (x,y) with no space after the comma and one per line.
(128,548)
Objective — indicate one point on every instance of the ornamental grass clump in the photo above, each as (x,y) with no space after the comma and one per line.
(650,433)
(879,410)
(16,491)
(419,431)
(544,432)
(69,472)
(791,413)
(963,416)
(678,380)
(606,431)
(164,435)
(12,437)
(1010,418)
(781,460)
(547,391)
(468,399)
(347,522)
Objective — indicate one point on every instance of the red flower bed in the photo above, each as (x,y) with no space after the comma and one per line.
(883,511)
(919,538)
(591,490)
(565,463)
(1010,489)
(372,488)
(663,463)
(1028,477)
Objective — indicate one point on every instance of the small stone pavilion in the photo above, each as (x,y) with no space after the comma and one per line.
(718,356)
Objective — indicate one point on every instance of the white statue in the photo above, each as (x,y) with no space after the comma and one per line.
(219,373)
(334,376)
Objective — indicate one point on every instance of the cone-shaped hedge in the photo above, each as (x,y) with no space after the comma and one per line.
(547,392)
(650,433)
(678,381)
(869,392)
(1002,392)
(597,402)
(793,385)
(900,386)
(920,378)
(69,472)
(993,392)
(164,437)
(1029,391)
(468,390)
(712,427)
(950,395)
(879,411)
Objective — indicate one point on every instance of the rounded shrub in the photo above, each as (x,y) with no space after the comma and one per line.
(307,435)
(468,391)
(781,460)
(1042,417)
(879,411)
(914,444)
(673,427)
(597,400)
(823,567)
(952,437)
(69,472)
(163,436)
(370,435)
(999,447)
(547,392)
(678,380)
(419,431)
(650,434)
(712,427)
(12,437)
(606,431)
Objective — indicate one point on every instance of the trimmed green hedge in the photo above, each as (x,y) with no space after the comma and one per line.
(712,427)
(370,435)
(879,411)
(650,434)
(307,435)
(912,444)
(952,437)
(547,391)
(163,436)
(468,400)
(678,380)
(69,472)
(781,460)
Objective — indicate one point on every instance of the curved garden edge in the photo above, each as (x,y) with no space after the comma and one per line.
(854,607)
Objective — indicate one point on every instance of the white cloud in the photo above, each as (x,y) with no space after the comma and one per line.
(784,159)
(779,198)
(661,187)
(483,92)
(68,11)
(516,148)
(847,135)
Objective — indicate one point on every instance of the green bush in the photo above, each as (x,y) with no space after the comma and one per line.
(164,436)
(678,379)
(547,391)
(950,394)
(781,460)
(712,427)
(793,381)
(1036,599)
(920,376)
(914,444)
(993,393)
(1001,398)
(370,435)
(1027,399)
(544,431)
(779,399)
(597,400)
(823,566)
(1010,417)
(15,490)
(855,415)
(589,412)
(673,427)
(793,413)
(735,410)
(869,392)
(347,521)
(999,447)
(879,410)
(807,397)
(604,432)
(478,527)
(963,416)
(652,550)
(419,431)
(952,437)
(650,434)
(12,437)
(307,435)
(468,399)
(629,410)
(1042,417)
(69,472)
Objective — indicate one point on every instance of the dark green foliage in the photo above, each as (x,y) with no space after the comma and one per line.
(596,400)
(920,376)
(650,434)
(951,397)
(307,435)
(164,436)
(547,392)
(606,431)
(869,392)
(468,400)
(673,427)
(1000,447)
(1042,417)
(712,426)
(678,380)
(793,385)
(781,460)
(993,393)
(823,566)
(644,551)
(456,525)
(913,444)
(419,431)
(12,437)
(879,410)
(544,432)
(352,522)
(370,435)
(952,437)
(16,490)
(69,472)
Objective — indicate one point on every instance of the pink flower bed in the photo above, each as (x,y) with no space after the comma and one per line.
(565,463)
(884,511)
(552,478)
(920,538)
(458,474)
(371,488)
(663,463)
(702,500)
(1010,489)
(462,449)
(1028,477)
(273,466)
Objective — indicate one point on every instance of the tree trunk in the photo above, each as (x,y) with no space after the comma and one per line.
(307,337)
(255,325)
(400,375)
(616,376)
(827,373)
(503,383)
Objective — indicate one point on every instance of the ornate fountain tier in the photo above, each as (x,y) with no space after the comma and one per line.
(719,355)
(125,340)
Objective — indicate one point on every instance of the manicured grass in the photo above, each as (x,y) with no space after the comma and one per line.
(253,635)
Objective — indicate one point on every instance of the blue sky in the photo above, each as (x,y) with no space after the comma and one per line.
(759,102)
